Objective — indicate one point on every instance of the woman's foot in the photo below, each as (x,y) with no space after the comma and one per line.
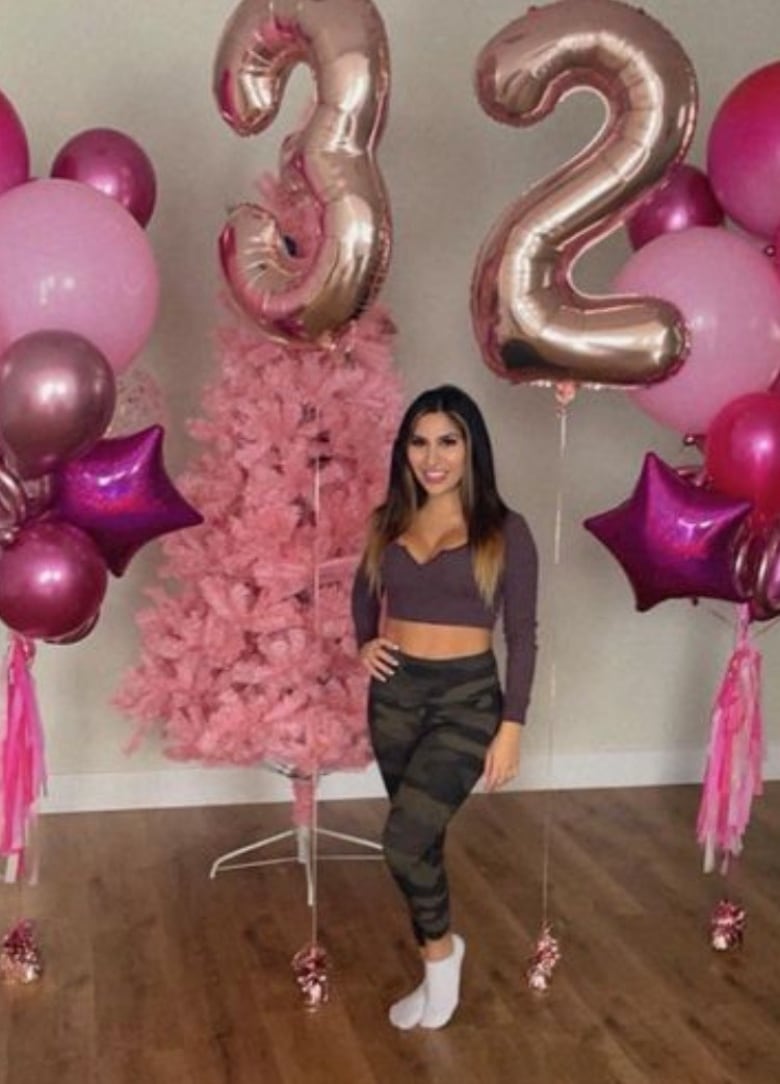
(442,986)
(408,1011)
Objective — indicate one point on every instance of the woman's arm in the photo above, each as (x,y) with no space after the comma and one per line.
(521,585)
(521,575)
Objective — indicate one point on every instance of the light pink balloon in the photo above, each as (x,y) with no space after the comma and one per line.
(112,163)
(729,295)
(14,152)
(52,580)
(73,259)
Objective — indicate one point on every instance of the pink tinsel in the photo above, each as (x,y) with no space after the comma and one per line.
(733,774)
(22,768)
(248,655)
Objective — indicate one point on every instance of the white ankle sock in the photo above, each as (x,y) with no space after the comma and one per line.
(407,1013)
(442,986)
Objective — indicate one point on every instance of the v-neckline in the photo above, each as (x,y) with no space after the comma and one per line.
(433,557)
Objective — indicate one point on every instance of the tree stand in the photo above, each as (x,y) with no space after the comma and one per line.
(305,836)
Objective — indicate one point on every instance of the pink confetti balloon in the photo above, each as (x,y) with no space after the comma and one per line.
(112,163)
(52,580)
(14,152)
(743,152)
(684,200)
(72,259)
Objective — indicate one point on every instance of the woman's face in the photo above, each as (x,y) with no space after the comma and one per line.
(436,453)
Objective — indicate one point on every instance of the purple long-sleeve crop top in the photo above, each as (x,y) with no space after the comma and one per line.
(443,591)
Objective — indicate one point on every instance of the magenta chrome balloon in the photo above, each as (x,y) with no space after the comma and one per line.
(115,165)
(52,580)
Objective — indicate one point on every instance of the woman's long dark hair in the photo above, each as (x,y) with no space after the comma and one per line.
(483,508)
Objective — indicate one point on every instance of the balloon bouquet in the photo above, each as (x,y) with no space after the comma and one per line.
(714,531)
(78,297)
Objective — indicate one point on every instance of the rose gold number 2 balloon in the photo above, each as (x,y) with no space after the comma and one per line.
(332,158)
(530,321)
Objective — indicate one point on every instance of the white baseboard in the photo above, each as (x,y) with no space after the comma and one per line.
(179,787)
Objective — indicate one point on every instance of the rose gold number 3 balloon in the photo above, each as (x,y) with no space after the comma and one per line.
(344,43)
(530,321)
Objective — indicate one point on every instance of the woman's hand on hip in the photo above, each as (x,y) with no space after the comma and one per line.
(379,657)
(502,759)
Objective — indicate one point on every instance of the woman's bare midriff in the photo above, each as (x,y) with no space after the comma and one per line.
(437,641)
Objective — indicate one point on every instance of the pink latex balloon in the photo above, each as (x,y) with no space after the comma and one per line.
(685,200)
(743,451)
(57,395)
(72,259)
(114,164)
(729,295)
(52,580)
(743,152)
(14,152)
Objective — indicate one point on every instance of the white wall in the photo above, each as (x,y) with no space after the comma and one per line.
(635,690)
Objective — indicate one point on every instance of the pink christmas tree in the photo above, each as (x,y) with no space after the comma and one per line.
(247,654)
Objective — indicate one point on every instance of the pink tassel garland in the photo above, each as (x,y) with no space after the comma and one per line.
(733,774)
(22,767)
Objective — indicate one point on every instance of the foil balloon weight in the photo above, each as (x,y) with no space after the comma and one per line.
(684,200)
(57,395)
(310,966)
(531,323)
(20,956)
(545,959)
(112,163)
(52,580)
(331,161)
(674,539)
(727,926)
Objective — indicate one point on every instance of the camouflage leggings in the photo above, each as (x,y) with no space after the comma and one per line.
(430,724)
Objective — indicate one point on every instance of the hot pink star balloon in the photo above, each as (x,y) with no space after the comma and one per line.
(120,494)
(673,539)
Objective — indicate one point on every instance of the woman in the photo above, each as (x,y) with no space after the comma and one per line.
(444,557)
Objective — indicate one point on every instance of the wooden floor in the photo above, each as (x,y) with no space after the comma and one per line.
(156,975)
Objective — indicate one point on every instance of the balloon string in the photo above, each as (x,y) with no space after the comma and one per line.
(553,695)
(318,647)
(313,858)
